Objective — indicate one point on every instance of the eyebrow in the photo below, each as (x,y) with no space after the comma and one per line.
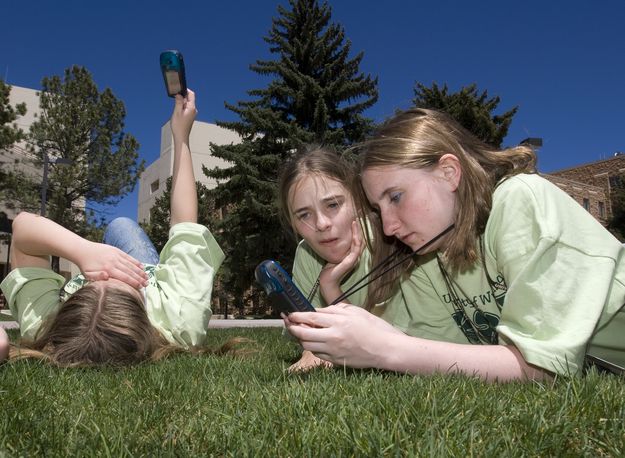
(332,198)
(386,192)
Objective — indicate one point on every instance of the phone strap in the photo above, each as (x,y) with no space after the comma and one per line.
(385,266)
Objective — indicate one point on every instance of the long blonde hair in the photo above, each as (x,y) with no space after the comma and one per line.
(100,325)
(418,138)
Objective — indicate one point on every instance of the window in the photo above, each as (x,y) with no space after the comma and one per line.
(586,204)
(154,186)
(601,210)
(615,182)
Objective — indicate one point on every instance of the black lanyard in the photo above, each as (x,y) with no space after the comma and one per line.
(384,266)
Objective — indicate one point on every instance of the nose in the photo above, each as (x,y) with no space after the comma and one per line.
(323,222)
(390,224)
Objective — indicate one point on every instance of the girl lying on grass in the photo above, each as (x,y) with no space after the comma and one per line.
(524,284)
(316,203)
(121,310)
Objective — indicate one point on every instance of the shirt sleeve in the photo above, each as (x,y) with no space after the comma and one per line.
(32,294)
(180,306)
(557,285)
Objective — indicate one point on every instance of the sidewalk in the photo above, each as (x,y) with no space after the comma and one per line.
(211,324)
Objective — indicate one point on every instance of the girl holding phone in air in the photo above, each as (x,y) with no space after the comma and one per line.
(129,304)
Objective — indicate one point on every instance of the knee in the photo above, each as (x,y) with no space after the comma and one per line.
(120,225)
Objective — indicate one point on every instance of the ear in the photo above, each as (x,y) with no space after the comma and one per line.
(451,170)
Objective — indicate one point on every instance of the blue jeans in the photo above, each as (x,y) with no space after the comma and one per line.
(127,235)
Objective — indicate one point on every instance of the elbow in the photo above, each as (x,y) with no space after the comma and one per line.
(20,220)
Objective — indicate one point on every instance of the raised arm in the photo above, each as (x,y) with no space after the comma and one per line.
(183,190)
(35,238)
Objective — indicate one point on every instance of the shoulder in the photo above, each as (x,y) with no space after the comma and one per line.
(188,228)
(525,183)
(304,254)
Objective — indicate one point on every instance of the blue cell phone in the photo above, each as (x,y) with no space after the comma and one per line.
(282,292)
(172,67)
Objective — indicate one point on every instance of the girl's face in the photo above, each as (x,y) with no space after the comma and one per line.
(322,212)
(415,204)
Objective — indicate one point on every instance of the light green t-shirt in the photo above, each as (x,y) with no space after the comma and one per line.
(307,267)
(558,275)
(178,295)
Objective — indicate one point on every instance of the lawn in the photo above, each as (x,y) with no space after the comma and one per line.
(222,406)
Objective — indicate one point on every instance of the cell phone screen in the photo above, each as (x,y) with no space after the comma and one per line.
(174,85)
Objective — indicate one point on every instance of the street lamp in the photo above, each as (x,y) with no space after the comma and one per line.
(44,190)
(44,182)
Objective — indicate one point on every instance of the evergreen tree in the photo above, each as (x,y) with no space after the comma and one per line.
(317,95)
(11,178)
(9,132)
(470,108)
(158,226)
(84,127)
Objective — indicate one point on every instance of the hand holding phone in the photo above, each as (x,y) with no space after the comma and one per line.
(172,67)
(282,292)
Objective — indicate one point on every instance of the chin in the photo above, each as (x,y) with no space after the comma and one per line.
(332,258)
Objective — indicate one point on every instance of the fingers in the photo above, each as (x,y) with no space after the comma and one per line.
(190,99)
(322,318)
(129,270)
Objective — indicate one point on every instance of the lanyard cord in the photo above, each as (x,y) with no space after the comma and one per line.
(383,265)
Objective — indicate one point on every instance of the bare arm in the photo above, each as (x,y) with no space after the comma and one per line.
(35,238)
(183,190)
(351,336)
(332,274)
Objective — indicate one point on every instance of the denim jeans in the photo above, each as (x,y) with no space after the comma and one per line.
(127,235)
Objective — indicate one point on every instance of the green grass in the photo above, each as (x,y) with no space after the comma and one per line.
(221,406)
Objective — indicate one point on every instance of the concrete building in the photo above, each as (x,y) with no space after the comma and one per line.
(153,179)
(18,156)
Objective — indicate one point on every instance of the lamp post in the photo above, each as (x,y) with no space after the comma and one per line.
(44,181)
(44,190)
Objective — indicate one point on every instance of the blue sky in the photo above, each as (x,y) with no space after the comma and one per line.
(561,62)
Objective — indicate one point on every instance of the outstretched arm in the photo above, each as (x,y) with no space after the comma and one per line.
(35,238)
(348,335)
(183,190)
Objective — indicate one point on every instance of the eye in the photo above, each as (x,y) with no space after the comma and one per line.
(395,197)
(302,216)
(334,205)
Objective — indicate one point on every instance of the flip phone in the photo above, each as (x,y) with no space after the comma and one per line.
(282,292)
(172,67)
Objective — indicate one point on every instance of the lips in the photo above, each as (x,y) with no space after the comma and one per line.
(327,242)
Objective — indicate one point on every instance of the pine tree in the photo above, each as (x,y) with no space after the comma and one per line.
(9,132)
(11,179)
(471,109)
(158,226)
(317,95)
(85,127)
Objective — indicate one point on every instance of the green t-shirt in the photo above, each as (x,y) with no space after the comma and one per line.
(307,267)
(556,288)
(178,295)
(557,274)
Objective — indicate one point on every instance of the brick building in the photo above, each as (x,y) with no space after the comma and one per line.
(591,184)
